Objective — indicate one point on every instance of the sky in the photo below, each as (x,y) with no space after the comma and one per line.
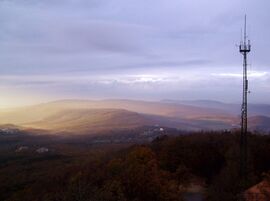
(131,49)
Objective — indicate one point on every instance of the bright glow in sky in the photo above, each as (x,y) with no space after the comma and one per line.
(137,49)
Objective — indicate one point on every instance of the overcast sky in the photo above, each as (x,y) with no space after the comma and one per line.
(135,49)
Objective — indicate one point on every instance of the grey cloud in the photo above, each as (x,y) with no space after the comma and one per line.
(119,37)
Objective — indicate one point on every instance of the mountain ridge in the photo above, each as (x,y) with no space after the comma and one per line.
(90,116)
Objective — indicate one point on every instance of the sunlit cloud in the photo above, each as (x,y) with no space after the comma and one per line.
(130,49)
(251,74)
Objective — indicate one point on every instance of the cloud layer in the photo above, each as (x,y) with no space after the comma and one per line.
(151,49)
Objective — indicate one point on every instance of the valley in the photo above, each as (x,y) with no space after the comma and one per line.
(86,117)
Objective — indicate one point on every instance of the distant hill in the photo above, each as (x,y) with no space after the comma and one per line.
(259,123)
(87,116)
(41,111)
(85,121)
(231,108)
(92,121)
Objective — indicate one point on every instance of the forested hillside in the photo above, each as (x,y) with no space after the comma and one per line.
(164,169)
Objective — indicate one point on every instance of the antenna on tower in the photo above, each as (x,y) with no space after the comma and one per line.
(244,49)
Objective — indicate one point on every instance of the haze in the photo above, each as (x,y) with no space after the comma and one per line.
(149,50)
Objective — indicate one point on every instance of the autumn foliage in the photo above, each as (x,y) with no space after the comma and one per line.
(161,170)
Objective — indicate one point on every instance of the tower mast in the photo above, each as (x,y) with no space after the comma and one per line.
(244,49)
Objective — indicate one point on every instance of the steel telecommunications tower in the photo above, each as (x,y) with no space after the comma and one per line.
(244,49)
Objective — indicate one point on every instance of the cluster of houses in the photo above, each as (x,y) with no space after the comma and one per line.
(8,131)
(39,150)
